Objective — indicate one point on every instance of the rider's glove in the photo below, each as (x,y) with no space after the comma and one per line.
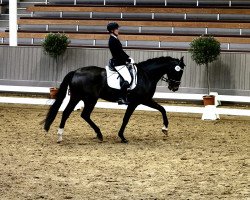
(128,61)
(131,60)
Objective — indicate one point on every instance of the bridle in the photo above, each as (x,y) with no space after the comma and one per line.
(167,80)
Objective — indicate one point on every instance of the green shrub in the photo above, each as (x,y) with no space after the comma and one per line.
(205,50)
(55,44)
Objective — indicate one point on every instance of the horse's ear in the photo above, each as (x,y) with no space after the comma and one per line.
(182,62)
(182,59)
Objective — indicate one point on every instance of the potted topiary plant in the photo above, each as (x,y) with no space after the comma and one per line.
(55,44)
(205,50)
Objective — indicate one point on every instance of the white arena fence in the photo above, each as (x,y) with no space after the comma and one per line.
(108,105)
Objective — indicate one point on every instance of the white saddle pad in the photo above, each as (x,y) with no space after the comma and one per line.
(113,78)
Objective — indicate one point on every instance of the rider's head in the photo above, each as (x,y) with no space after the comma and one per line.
(113,28)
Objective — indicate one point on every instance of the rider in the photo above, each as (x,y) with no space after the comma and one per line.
(120,58)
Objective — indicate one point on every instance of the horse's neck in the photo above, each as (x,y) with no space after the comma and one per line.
(156,71)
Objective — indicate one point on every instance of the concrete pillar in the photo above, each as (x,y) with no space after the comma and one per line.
(13,22)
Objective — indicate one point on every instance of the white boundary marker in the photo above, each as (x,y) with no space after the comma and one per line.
(157,95)
(25,89)
(185,96)
(210,113)
(108,105)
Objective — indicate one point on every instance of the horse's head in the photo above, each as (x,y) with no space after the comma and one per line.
(156,68)
(174,74)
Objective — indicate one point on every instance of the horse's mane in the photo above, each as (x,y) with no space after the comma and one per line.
(155,60)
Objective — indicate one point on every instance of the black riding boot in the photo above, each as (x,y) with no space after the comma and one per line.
(124,89)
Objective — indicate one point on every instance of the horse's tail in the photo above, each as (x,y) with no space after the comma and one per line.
(59,99)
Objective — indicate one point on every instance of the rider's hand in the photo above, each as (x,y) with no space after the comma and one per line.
(128,61)
(131,60)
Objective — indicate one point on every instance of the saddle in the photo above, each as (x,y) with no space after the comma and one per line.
(114,78)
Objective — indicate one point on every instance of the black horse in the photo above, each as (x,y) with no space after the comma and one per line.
(90,83)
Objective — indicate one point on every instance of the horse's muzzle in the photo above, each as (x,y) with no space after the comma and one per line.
(174,89)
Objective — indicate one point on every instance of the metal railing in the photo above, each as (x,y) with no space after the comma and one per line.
(164,2)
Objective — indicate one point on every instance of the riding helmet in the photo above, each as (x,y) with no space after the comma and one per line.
(112,26)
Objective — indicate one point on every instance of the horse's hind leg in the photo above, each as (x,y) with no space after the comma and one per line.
(66,113)
(88,108)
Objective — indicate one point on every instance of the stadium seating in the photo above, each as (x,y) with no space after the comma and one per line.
(3,7)
(145,23)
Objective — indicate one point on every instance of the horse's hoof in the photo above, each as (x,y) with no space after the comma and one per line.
(59,141)
(60,135)
(165,131)
(100,137)
(124,141)
(99,140)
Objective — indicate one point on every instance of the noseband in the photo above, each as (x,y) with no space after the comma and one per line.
(170,80)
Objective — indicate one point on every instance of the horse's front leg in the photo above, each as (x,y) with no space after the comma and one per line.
(129,112)
(154,105)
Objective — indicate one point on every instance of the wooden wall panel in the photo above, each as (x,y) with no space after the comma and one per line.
(230,74)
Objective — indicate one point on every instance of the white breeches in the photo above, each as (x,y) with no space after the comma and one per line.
(123,71)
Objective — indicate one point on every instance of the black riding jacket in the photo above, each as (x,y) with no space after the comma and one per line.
(119,56)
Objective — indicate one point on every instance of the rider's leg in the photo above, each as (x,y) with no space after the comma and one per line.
(124,88)
(125,83)
(124,73)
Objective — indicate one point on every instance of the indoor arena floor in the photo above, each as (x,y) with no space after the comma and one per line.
(197,160)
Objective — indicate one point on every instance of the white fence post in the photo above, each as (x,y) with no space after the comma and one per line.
(13,22)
